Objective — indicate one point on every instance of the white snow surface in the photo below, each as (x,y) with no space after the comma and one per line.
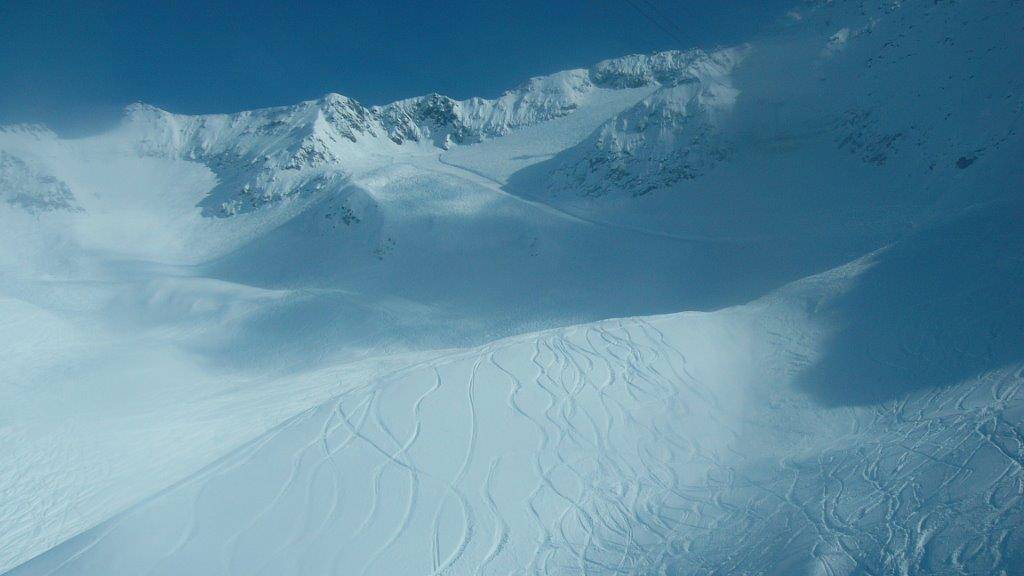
(753,310)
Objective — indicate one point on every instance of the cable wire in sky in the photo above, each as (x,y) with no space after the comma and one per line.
(659,21)
(665,16)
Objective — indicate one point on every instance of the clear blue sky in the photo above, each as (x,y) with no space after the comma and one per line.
(73,65)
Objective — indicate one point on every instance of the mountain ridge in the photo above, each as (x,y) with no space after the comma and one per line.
(334,129)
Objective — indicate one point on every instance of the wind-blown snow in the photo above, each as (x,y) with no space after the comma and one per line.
(445,337)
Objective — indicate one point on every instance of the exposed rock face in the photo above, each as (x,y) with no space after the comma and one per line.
(668,137)
(26,187)
(434,118)
(664,68)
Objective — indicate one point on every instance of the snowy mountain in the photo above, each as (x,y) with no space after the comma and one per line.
(746,310)
(253,151)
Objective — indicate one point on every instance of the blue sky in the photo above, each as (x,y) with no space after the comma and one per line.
(73,65)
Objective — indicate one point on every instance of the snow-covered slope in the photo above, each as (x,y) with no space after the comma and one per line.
(334,338)
(687,443)
(849,114)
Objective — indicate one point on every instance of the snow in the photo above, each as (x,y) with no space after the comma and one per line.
(750,310)
(664,444)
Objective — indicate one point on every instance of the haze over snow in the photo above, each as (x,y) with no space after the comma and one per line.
(751,310)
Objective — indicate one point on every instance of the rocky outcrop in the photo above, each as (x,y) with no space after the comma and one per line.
(27,187)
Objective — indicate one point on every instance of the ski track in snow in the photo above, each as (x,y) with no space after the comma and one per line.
(593,450)
(496,186)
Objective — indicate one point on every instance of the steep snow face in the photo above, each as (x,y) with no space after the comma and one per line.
(453,122)
(262,156)
(540,99)
(669,136)
(662,68)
